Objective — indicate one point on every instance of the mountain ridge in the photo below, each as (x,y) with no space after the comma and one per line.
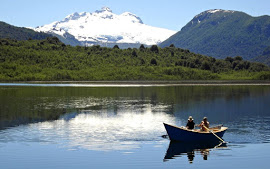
(222,33)
(20,33)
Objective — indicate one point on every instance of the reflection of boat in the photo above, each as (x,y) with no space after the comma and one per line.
(184,135)
(189,149)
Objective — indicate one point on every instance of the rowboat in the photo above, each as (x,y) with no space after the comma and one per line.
(196,135)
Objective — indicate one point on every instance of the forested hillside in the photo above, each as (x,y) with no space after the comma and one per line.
(223,33)
(265,57)
(51,59)
(18,33)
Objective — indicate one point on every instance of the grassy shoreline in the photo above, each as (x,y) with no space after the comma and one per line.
(151,83)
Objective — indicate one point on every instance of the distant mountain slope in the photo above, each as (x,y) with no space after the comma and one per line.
(103,27)
(18,33)
(222,33)
(68,39)
(265,57)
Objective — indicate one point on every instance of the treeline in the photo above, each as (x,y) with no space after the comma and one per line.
(51,59)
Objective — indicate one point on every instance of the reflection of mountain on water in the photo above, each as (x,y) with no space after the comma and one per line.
(177,149)
(93,131)
(222,104)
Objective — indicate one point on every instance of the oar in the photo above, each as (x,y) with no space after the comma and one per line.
(214,134)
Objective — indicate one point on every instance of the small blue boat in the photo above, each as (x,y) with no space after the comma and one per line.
(196,135)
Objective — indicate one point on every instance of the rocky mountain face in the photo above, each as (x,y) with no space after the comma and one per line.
(221,33)
(104,28)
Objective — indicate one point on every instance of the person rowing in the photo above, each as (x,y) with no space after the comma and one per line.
(204,124)
(205,127)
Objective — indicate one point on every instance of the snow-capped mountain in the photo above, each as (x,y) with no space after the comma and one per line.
(206,14)
(103,26)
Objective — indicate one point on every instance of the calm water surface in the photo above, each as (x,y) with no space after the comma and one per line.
(76,126)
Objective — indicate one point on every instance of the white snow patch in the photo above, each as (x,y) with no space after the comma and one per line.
(218,10)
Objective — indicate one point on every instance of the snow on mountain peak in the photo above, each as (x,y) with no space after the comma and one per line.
(213,11)
(218,10)
(104,9)
(72,16)
(206,14)
(103,26)
(132,17)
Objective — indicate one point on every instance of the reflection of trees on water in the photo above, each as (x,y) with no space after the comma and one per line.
(221,103)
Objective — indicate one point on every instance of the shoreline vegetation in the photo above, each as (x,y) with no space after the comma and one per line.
(51,60)
(137,83)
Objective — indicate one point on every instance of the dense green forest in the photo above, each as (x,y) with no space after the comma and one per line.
(50,59)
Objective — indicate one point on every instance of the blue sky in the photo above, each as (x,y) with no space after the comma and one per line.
(170,14)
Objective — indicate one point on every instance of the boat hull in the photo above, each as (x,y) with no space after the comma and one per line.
(184,135)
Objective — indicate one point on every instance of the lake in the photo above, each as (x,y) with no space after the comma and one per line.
(121,126)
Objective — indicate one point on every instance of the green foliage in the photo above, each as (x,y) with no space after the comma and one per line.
(154,48)
(153,61)
(263,76)
(134,53)
(116,47)
(50,59)
(206,65)
(142,48)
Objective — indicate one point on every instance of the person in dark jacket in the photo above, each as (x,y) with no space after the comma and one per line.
(190,124)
